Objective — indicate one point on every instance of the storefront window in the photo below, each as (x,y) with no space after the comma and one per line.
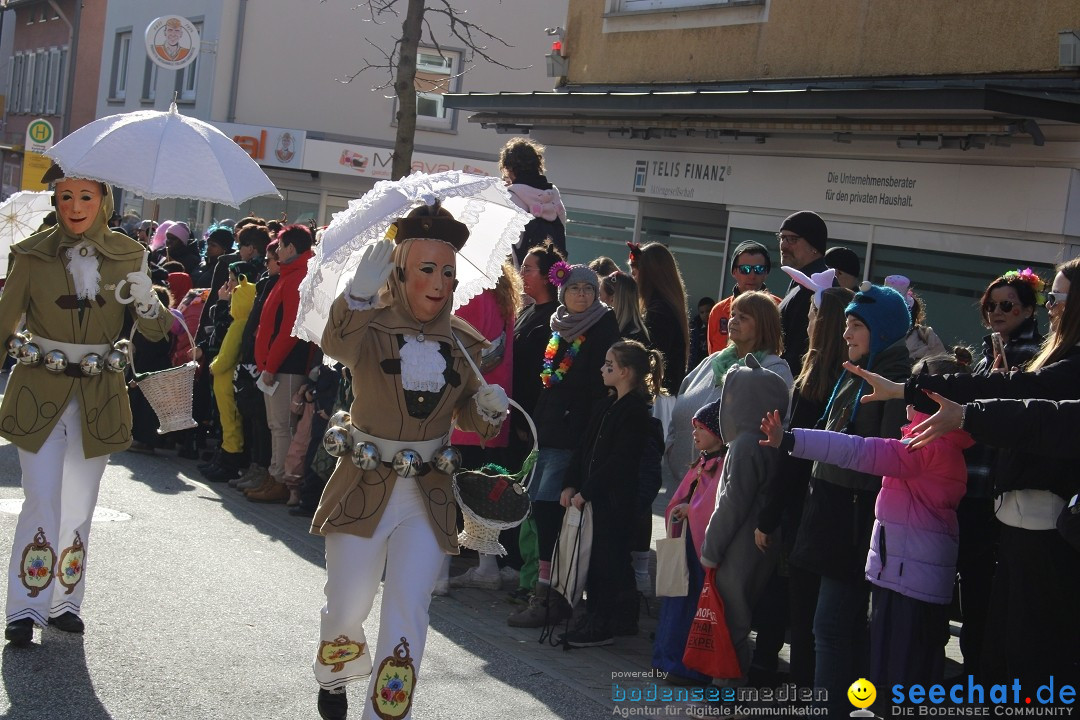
(950,286)
(592,234)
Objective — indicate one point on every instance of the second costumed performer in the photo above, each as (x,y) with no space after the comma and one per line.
(66,404)
(391,503)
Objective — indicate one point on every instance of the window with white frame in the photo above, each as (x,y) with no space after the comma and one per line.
(15,86)
(150,76)
(437,72)
(37,81)
(41,74)
(29,59)
(187,78)
(647,5)
(53,91)
(121,53)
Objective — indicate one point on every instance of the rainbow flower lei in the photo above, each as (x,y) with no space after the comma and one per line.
(552,375)
(1031,278)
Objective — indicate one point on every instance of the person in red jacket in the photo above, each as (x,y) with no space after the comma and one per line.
(750,266)
(281,358)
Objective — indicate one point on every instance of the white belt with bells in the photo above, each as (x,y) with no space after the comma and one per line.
(407,458)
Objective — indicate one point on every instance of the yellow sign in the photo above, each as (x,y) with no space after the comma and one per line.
(34,167)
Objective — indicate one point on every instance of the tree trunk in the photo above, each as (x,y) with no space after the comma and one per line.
(405,87)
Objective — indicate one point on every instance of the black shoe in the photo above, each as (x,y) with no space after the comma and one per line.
(333,706)
(302,511)
(217,473)
(519,596)
(19,632)
(69,622)
(188,453)
(590,632)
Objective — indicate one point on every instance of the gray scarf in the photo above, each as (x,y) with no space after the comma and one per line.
(569,325)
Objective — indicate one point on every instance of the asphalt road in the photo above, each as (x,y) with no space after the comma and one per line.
(200,604)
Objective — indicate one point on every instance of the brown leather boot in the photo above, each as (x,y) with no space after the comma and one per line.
(266,481)
(275,492)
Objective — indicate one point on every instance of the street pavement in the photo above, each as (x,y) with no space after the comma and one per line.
(200,604)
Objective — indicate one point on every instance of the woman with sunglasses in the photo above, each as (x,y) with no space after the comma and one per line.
(1007,308)
(1033,629)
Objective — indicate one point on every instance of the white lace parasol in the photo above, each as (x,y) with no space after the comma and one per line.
(481,202)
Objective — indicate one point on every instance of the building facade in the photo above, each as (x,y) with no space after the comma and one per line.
(52,80)
(938,141)
(276,78)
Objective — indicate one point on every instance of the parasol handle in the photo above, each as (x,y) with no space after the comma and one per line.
(120,284)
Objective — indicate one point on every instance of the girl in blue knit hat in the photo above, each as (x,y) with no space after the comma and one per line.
(834,535)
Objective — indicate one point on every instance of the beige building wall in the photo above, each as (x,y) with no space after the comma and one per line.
(817,39)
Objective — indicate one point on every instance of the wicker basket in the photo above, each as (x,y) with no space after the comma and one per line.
(169,392)
(493,502)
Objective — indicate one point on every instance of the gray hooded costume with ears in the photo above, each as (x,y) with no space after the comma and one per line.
(741,569)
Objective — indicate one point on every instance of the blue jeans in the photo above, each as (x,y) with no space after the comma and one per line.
(840,637)
(551,464)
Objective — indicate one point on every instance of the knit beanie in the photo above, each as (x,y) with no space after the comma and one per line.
(180,231)
(844,260)
(222,237)
(579,274)
(709,417)
(750,246)
(885,314)
(809,225)
(245,270)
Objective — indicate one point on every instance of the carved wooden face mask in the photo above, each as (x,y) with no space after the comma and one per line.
(430,272)
(78,203)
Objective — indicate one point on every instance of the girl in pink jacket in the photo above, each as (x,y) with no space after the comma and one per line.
(915,540)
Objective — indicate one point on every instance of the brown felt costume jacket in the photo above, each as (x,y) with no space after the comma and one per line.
(368,341)
(38,285)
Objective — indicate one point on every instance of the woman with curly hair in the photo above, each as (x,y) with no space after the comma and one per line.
(522,164)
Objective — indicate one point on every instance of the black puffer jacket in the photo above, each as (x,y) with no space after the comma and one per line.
(838,515)
(563,410)
(1019,469)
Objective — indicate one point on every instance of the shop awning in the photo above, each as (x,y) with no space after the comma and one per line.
(956,108)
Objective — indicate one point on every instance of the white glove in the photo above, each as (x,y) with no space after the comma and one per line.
(142,291)
(370,275)
(492,402)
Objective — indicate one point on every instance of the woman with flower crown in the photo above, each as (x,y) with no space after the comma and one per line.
(582,330)
(1007,308)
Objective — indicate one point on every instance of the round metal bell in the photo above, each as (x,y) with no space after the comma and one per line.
(366,456)
(341,418)
(92,364)
(55,361)
(30,354)
(447,459)
(116,361)
(407,463)
(15,344)
(336,441)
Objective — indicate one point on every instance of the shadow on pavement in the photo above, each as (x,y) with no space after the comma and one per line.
(49,679)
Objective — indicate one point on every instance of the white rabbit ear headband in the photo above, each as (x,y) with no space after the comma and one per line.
(817,283)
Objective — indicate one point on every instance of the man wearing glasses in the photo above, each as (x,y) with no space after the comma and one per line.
(750,266)
(802,239)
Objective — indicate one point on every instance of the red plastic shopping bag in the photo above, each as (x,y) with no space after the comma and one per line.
(709,649)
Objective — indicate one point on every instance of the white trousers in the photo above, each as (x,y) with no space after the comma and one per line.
(48,558)
(405,544)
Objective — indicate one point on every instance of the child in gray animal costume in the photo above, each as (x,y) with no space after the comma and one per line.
(742,570)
